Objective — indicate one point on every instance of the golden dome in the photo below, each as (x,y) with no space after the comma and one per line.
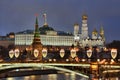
(84,17)
(94,31)
(76,24)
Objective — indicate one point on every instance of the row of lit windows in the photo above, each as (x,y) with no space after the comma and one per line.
(46,40)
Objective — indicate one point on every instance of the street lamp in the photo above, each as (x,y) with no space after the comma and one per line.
(36,53)
(114,53)
(17,53)
(11,54)
(89,53)
(62,53)
(73,53)
(44,52)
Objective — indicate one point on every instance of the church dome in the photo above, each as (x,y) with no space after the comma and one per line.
(84,17)
(76,24)
(94,31)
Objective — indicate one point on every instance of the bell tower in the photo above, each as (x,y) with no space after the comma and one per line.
(84,28)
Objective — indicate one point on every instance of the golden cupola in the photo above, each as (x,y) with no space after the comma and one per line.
(95,32)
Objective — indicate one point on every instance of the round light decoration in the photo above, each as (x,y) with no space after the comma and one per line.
(73,53)
(62,53)
(11,53)
(36,53)
(114,53)
(17,53)
(44,52)
(89,53)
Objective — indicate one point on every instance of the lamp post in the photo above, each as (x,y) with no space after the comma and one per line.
(73,53)
(44,52)
(36,53)
(89,54)
(62,53)
(11,54)
(17,53)
(114,53)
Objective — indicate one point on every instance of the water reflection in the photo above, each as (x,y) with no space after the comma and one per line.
(73,77)
(67,76)
(52,77)
(60,76)
(27,78)
(33,77)
(10,79)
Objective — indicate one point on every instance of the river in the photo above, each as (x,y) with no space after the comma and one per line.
(59,76)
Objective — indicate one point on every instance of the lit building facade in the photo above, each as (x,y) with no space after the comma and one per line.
(82,38)
(27,39)
(8,40)
(51,37)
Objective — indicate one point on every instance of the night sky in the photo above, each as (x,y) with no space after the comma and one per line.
(19,15)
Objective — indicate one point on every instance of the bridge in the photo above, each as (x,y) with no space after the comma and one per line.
(56,66)
(67,62)
(79,68)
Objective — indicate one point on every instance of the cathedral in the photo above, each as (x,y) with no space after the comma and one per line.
(82,37)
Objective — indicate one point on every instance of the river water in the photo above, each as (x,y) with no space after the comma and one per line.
(60,76)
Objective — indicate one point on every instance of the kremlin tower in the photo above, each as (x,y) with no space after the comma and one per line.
(36,44)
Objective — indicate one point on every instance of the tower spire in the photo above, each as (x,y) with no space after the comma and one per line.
(36,44)
(45,19)
(36,22)
(102,32)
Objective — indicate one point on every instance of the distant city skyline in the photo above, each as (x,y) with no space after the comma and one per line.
(19,15)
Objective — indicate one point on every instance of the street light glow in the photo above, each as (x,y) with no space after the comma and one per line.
(36,53)
(114,53)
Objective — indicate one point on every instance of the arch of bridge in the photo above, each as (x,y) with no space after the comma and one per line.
(37,65)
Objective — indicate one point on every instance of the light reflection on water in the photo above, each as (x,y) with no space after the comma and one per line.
(52,77)
(60,76)
(10,79)
(73,76)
